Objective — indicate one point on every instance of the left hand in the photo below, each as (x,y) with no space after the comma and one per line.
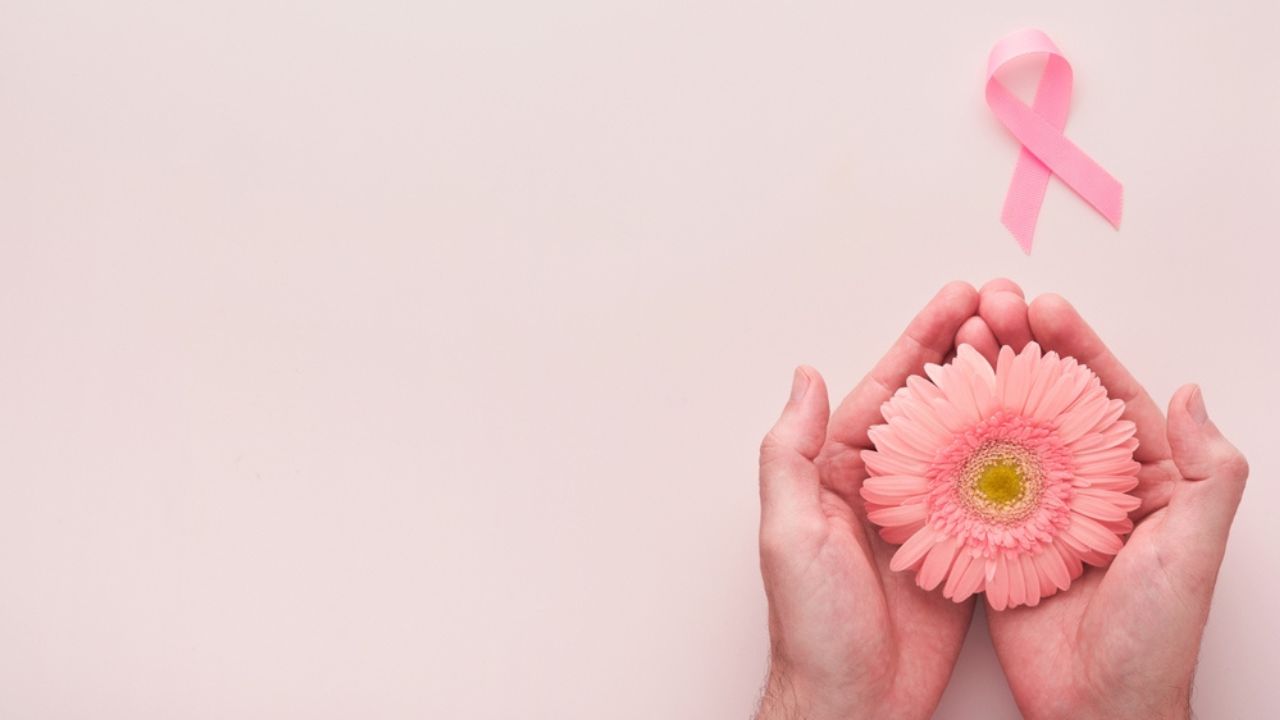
(1122,641)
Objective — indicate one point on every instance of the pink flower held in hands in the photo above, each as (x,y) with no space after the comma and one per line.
(1002,481)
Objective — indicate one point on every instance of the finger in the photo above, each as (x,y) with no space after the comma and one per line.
(1204,502)
(1006,314)
(1001,285)
(975,332)
(1155,487)
(789,483)
(1057,326)
(926,340)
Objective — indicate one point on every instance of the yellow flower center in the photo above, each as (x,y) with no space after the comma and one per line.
(1001,482)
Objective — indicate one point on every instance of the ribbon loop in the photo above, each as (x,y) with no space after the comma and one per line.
(1045,149)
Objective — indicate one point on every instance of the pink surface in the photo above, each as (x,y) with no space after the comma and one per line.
(394,360)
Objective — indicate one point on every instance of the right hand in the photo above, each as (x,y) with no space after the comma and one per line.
(849,638)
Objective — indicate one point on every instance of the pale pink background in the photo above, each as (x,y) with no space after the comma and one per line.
(409,360)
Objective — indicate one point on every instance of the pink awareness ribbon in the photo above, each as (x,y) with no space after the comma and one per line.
(1045,150)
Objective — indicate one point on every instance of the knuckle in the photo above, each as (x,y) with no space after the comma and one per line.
(773,543)
(1234,465)
(780,540)
(771,447)
(767,444)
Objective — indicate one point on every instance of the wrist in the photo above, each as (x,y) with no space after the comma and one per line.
(1109,711)
(1159,696)
(787,697)
(1175,704)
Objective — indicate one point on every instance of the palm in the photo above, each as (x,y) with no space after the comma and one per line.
(1091,639)
(1095,643)
(914,659)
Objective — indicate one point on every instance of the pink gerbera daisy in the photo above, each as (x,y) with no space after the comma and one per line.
(1002,481)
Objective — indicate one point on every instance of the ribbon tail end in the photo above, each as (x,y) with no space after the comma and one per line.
(1114,210)
(1021,234)
(1115,218)
(1109,203)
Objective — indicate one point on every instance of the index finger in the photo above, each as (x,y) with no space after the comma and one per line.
(927,339)
(1058,326)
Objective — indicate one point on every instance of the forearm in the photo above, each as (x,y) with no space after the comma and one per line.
(785,699)
(789,697)
(779,701)
(1161,700)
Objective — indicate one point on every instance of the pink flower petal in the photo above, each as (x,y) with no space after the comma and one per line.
(998,585)
(1021,374)
(917,410)
(1076,423)
(923,389)
(913,550)
(1075,568)
(1046,374)
(1118,483)
(1114,466)
(958,569)
(1095,558)
(887,439)
(972,581)
(1124,501)
(1063,393)
(1117,434)
(1054,568)
(1047,586)
(958,390)
(919,436)
(951,417)
(978,364)
(1004,366)
(1030,580)
(939,476)
(937,563)
(880,463)
(1114,410)
(899,534)
(1091,533)
(889,490)
(1017,586)
(1096,508)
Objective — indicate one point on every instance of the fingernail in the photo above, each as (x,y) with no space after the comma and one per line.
(1195,406)
(799,384)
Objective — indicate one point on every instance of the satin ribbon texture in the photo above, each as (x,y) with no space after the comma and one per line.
(1045,150)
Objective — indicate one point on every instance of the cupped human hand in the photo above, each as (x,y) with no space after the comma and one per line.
(1122,641)
(849,638)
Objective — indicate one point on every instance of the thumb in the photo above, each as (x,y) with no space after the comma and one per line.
(789,484)
(1213,471)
